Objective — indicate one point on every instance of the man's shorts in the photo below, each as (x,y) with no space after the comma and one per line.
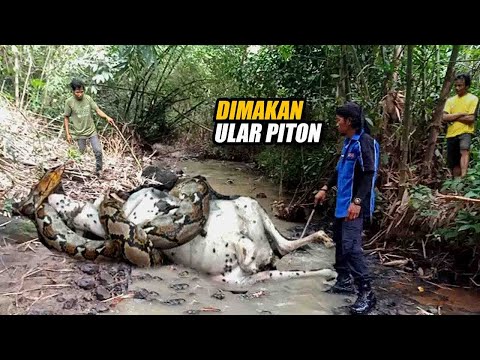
(454,146)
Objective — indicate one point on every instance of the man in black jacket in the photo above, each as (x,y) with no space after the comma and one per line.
(354,178)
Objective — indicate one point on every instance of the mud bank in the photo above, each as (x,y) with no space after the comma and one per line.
(35,280)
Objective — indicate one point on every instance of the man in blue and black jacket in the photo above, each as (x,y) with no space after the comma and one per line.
(354,178)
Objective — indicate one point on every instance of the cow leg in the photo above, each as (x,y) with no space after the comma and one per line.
(250,211)
(328,274)
(286,246)
(236,282)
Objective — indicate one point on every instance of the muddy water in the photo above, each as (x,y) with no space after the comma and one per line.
(178,290)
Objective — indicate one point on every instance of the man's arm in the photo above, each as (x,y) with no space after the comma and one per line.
(103,115)
(467,119)
(100,113)
(67,112)
(367,162)
(364,186)
(67,130)
(447,112)
(322,193)
(333,180)
(453,117)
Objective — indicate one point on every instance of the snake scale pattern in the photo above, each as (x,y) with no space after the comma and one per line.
(136,231)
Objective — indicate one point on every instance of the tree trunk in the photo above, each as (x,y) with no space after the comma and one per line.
(424,84)
(438,112)
(391,78)
(346,74)
(44,68)
(397,54)
(27,79)
(406,124)
(17,75)
(51,65)
(437,73)
(343,87)
(341,93)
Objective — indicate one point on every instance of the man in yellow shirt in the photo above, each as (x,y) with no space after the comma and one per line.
(460,113)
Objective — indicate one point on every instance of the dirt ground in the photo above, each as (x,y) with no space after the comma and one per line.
(35,280)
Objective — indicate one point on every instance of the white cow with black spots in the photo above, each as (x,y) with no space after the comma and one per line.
(236,249)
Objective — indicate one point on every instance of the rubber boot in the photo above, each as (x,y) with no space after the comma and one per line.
(366,300)
(344,285)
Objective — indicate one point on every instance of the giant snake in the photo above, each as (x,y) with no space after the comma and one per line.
(149,221)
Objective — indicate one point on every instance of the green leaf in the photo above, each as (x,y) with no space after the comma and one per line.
(450,234)
(286,51)
(37,83)
(471,194)
(465,227)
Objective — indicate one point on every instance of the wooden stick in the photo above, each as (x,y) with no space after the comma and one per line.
(440,286)
(26,243)
(59,270)
(396,263)
(376,237)
(6,223)
(124,296)
(473,281)
(423,312)
(308,222)
(77,173)
(42,298)
(456,197)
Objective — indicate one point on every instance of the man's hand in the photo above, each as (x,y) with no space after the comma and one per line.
(110,120)
(353,212)
(69,138)
(320,197)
